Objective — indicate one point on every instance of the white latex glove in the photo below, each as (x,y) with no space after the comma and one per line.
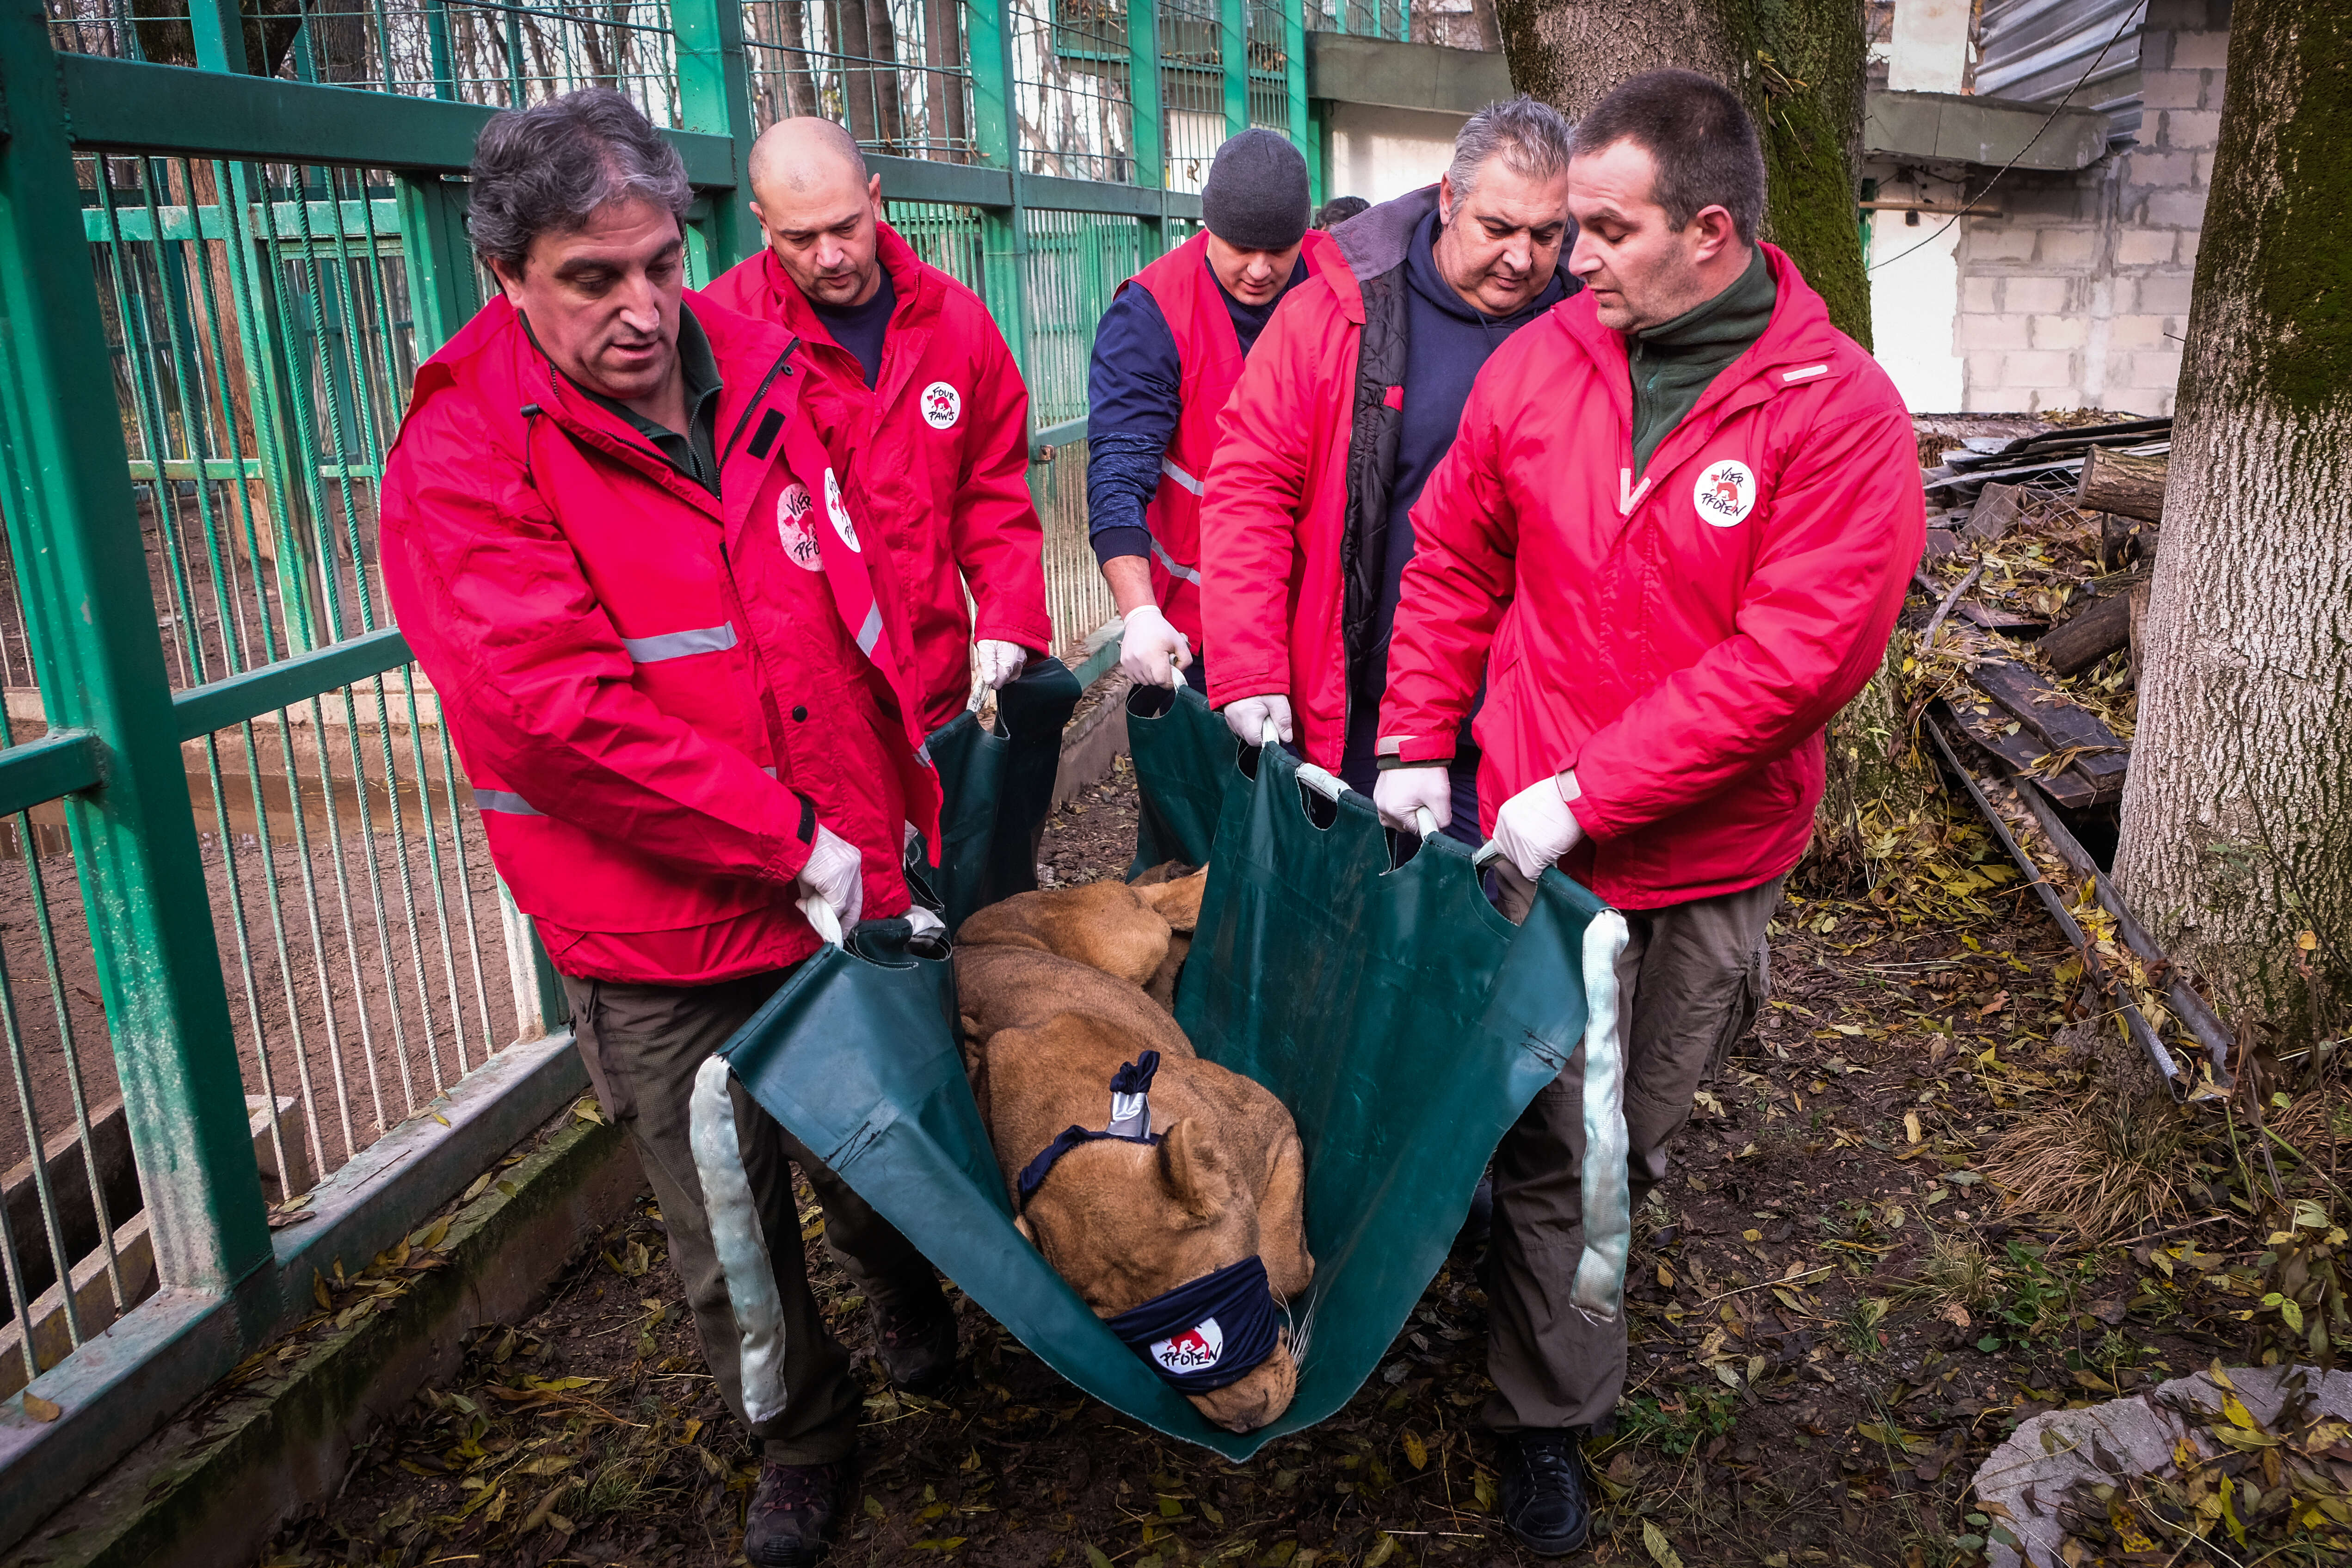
(1535,827)
(1249,716)
(1402,794)
(1149,650)
(1000,662)
(834,876)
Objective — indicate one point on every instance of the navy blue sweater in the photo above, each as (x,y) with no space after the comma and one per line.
(1133,403)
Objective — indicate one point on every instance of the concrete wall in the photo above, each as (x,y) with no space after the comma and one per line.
(1376,152)
(2078,294)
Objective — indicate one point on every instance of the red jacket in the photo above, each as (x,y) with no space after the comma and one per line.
(1678,640)
(937,451)
(1181,284)
(1274,513)
(657,703)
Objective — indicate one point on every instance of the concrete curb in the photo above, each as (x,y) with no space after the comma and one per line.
(1090,745)
(213,1487)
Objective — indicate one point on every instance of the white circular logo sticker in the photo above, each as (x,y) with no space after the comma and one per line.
(942,405)
(1195,1350)
(796,526)
(1726,493)
(838,512)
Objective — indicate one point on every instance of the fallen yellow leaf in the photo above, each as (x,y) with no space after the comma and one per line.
(41,1409)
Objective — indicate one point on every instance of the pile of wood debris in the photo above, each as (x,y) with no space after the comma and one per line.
(2021,673)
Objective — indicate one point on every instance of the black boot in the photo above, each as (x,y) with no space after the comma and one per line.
(1544,1506)
(796,1511)
(917,1341)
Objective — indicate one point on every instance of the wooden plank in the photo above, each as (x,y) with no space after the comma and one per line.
(1989,728)
(2000,508)
(2053,717)
(2097,628)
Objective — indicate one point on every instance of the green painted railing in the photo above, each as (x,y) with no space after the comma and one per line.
(309,1011)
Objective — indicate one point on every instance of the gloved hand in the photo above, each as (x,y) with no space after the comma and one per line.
(1247,718)
(1149,650)
(1000,662)
(1402,792)
(1535,827)
(835,874)
(928,939)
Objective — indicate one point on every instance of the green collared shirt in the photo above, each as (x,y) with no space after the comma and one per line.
(1675,362)
(694,453)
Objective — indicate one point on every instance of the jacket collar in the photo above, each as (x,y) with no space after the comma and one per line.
(916,311)
(1798,338)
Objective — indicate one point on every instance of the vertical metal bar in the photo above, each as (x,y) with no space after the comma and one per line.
(1233,55)
(539,1004)
(75,535)
(1294,74)
(219,29)
(715,96)
(1318,134)
(437,33)
(996,115)
(1149,119)
(440,261)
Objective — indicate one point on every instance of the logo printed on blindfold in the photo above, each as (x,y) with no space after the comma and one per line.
(1725,494)
(797,528)
(1194,1350)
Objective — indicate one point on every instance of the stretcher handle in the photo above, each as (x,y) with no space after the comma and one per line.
(821,915)
(1488,853)
(1425,821)
(1271,734)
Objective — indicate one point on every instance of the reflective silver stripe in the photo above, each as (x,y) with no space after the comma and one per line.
(1179,475)
(770,771)
(871,632)
(680,644)
(1188,574)
(923,756)
(505,800)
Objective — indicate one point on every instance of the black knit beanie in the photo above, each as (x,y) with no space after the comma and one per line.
(1255,197)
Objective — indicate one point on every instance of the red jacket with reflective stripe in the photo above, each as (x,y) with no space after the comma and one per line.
(1181,284)
(654,702)
(1678,640)
(1273,516)
(937,451)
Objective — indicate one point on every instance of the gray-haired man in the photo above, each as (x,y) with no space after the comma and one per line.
(1351,397)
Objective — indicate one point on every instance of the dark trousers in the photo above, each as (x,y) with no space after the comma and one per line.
(643,1045)
(1689,983)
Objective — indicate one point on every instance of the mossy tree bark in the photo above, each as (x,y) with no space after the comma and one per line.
(1799,64)
(2237,821)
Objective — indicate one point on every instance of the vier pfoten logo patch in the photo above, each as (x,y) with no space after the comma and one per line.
(839,513)
(796,526)
(1726,493)
(1195,1350)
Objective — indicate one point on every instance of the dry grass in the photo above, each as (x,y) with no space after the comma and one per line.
(2102,1167)
(1956,1269)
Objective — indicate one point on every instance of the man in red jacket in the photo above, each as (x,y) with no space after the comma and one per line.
(1167,354)
(921,395)
(1673,535)
(1346,404)
(615,542)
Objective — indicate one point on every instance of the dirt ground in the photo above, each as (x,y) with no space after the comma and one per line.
(1833,1320)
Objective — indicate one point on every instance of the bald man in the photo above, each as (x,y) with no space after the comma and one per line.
(918,394)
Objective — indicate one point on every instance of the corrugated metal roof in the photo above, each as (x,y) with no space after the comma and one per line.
(2037,50)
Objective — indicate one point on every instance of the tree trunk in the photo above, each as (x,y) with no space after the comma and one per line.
(2237,822)
(1799,64)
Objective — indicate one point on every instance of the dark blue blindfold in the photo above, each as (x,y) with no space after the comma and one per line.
(1205,1334)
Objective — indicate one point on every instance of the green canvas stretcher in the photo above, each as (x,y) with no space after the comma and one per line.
(1404,1022)
(995,787)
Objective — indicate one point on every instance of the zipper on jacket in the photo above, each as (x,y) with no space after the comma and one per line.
(758,395)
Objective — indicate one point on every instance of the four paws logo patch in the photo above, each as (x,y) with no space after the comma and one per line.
(796,526)
(1726,493)
(1195,1350)
(838,512)
(942,405)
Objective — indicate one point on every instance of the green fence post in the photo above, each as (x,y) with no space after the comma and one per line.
(714,94)
(996,117)
(1232,53)
(218,30)
(1148,127)
(442,290)
(75,534)
(1294,74)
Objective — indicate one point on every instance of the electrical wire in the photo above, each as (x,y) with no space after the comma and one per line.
(2138,13)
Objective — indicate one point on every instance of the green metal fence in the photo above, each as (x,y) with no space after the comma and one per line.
(264,1002)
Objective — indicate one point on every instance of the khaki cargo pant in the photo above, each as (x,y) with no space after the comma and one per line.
(1689,984)
(643,1045)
